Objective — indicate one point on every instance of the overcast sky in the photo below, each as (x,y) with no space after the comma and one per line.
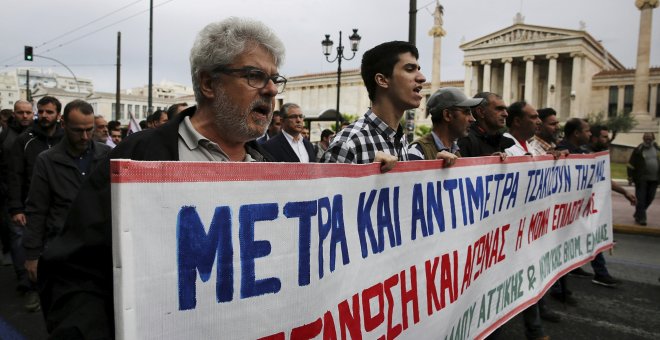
(301,24)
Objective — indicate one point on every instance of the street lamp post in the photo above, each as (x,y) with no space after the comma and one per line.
(327,50)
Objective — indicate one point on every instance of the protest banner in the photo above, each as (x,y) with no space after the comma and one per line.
(329,251)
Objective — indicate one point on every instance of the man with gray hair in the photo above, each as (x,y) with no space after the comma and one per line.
(234,66)
(290,145)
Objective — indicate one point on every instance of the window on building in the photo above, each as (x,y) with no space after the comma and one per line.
(145,112)
(613,101)
(9,94)
(130,110)
(137,111)
(122,111)
(114,109)
(628,99)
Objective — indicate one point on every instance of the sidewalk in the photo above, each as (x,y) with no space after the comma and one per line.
(622,213)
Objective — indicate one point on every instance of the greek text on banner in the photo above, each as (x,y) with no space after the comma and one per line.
(329,251)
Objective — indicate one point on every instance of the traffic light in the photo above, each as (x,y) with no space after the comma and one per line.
(28,53)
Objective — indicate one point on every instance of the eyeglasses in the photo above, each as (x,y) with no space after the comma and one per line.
(256,78)
(301,116)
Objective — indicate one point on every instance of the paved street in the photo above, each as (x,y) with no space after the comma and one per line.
(631,311)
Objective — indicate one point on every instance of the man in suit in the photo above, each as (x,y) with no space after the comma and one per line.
(289,145)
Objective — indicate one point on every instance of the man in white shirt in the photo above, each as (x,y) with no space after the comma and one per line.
(289,145)
(523,121)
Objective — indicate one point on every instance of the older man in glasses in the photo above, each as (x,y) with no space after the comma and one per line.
(290,145)
(234,67)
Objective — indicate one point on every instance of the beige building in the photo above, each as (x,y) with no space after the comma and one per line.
(104,102)
(547,67)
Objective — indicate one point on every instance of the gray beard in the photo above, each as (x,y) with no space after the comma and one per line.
(231,121)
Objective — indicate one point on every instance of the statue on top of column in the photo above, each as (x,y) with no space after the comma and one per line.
(437,30)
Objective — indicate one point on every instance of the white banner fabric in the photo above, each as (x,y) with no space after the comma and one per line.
(329,251)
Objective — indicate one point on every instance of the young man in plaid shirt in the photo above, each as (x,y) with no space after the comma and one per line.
(391,73)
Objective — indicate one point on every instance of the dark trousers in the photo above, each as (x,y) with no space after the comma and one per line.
(598,264)
(645,193)
(18,257)
(5,239)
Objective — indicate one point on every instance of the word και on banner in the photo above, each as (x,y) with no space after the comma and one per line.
(288,251)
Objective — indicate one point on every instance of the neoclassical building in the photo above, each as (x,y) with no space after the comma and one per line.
(569,70)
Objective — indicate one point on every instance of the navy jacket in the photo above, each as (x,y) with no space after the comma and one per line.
(281,150)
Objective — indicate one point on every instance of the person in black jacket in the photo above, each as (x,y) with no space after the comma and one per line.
(44,134)
(644,171)
(56,178)
(485,137)
(234,66)
(290,145)
(22,119)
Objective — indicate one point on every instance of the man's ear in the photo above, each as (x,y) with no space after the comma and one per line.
(381,80)
(478,112)
(447,115)
(206,85)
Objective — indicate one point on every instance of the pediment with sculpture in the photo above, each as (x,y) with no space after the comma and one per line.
(517,34)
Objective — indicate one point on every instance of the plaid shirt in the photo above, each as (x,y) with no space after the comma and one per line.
(359,142)
(540,147)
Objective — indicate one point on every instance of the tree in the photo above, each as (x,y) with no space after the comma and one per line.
(622,122)
(422,130)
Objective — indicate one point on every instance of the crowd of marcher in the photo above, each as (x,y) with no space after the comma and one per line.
(56,219)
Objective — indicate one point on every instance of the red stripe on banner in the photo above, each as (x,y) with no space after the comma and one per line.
(504,319)
(129,171)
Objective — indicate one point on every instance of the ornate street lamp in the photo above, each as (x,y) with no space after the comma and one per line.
(327,50)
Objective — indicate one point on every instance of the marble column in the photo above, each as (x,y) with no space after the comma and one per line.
(467,83)
(552,80)
(653,100)
(486,77)
(437,32)
(641,92)
(576,76)
(506,86)
(619,99)
(529,78)
(475,79)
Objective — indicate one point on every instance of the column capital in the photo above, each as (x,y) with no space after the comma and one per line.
(552,56)
(643,4)
(486,62)
(467,63)
(528,58)
(577,54)
(437,32)
(507,60)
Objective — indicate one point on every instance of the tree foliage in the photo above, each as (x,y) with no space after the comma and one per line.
(622,122)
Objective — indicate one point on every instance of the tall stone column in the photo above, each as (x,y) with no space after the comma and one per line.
(486,77)
(529,78)
(576,76)
(475,79)
(437,32)
(641,92)
(552,80)
(506,86)
(620,96)
(467,83)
